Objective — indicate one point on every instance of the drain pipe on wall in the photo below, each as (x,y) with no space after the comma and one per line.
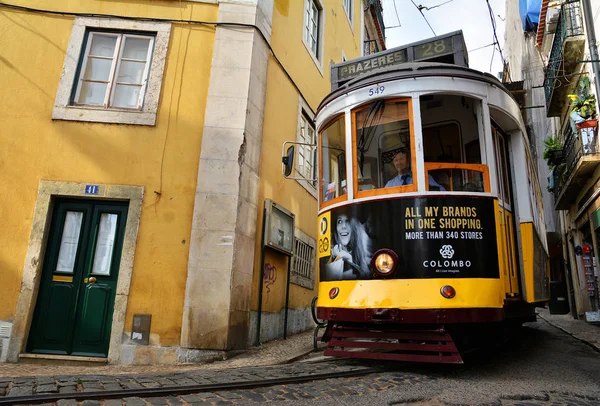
(591,34)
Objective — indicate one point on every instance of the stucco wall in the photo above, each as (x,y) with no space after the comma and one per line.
(163,159)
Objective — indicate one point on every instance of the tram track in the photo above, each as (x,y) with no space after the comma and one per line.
(184,389)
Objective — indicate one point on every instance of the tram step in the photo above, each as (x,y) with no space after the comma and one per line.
(434,346)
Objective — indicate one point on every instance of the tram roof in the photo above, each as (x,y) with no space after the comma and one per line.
(413,70)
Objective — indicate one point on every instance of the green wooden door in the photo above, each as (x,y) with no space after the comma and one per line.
(73,314)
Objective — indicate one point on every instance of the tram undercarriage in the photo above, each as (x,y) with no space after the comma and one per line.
(431,336)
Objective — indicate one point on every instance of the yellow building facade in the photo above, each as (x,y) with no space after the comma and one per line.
(139,143)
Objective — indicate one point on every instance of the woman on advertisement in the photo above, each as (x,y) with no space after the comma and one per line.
(350,253)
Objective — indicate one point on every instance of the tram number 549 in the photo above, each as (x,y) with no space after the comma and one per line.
(376,90)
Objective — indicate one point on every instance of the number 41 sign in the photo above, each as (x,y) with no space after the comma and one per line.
(91,189)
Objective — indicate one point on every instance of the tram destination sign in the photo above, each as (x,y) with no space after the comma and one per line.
(448,48)
(433,238)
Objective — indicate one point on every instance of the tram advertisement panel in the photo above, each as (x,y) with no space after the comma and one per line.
(433,238)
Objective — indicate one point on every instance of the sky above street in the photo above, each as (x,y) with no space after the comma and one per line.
(405,24)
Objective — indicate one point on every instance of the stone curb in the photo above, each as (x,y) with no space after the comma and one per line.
(595,347)
(299,355)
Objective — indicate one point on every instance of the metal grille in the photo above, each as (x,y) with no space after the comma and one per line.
(5,330)
(570,24)
(303,270)
(370,47)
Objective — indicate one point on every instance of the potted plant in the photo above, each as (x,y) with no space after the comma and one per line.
(584,106)
(583,115)
(553,151)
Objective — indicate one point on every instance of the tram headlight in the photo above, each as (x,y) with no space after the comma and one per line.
(384,262)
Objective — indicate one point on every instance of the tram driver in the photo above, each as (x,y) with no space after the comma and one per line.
(402,164)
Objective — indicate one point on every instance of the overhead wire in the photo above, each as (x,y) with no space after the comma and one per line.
(481,47)
(425,18)
(493,21)
(437,5)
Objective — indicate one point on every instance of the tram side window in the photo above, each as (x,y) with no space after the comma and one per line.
(333,160)
(451,148)
(501,165)
(383,146)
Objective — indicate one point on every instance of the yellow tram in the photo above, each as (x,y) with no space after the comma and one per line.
(430,212)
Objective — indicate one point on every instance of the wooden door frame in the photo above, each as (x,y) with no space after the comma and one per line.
(32,271)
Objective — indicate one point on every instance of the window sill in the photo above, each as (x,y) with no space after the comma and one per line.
(96,115)
(302,282)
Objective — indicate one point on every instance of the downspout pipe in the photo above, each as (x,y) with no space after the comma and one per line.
(591,36)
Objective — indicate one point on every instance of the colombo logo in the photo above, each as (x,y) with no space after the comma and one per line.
(447,251)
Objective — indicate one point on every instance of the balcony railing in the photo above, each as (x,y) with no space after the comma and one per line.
(371,47)
(563,56)
(580,157)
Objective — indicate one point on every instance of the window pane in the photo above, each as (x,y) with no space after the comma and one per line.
(131,72)
(136,48)
(92,93)
(306,154)
(456,180)
(69,242)
(443,143)
(103,45)
(333,160)
(105,244)
(126,96)
(307,28)
(97,69)
(504,169)
(383,146)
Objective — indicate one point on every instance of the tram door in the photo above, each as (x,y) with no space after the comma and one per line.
(507,259)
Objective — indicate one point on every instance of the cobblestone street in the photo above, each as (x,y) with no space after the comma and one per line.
(542,366)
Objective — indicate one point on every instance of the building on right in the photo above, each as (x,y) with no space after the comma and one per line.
(565,38)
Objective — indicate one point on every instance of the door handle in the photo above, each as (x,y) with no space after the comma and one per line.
(89,280)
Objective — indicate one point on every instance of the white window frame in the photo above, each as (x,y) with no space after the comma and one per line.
(296,277)
(64,109)
(115,67)
(304,115)
(348,6)
(317,56)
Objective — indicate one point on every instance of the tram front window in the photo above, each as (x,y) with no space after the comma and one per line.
(451,148)
(333,160)
(384,147)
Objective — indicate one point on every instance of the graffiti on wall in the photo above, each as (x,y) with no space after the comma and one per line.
(269,277)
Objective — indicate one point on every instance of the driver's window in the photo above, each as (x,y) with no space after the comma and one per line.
(384,151)
(451,148)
